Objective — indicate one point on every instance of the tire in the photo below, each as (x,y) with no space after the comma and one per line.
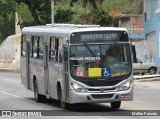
(152,71)
(116,105)
(38,97)
(63,104)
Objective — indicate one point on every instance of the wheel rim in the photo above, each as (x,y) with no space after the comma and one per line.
(152,71)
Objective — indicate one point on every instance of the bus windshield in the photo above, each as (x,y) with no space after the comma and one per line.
(100,60)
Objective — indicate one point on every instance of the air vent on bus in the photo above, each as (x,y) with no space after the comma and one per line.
(104,96)
(73,25)
(92,89)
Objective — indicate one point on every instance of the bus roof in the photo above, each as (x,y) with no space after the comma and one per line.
(65,29)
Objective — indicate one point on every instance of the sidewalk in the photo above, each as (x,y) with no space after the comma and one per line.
(147,81)
(148,84)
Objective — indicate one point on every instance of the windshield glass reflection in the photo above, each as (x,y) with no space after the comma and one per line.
(107,60)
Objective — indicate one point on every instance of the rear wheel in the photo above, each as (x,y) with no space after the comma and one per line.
(38,97)
(152,71)
(116,105)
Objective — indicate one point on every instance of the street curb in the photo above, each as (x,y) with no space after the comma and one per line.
(148,80)
(9,70)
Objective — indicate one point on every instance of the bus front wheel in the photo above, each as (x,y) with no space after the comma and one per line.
(63,104)
(38,97)
(116,105)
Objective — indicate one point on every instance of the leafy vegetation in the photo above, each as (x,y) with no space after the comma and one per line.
(37,12)
(7,13)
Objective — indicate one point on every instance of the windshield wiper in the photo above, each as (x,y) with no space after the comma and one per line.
(111,48)
(89,49)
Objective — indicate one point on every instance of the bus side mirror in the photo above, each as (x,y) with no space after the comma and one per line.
(134,54)
(65,54)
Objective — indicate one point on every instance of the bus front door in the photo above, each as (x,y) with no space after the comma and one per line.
(46,71)
(66,78)
(28,65)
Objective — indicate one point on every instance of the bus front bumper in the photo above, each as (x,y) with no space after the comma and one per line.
(105,97)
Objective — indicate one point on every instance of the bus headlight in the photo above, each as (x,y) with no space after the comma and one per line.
(77,87)
(126,86)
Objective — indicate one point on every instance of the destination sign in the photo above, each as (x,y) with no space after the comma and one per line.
(106,36)
(98,36)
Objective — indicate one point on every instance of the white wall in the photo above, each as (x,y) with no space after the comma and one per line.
(10,52)
(151,46)
(139,46)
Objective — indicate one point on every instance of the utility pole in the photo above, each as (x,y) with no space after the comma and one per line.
(52,12)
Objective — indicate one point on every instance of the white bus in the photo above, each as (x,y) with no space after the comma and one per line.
(72,63)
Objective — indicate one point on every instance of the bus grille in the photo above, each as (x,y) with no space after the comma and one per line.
(102,96)
(92,89)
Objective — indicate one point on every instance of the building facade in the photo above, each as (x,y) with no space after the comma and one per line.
(134,24)
(135,27)
(152,31)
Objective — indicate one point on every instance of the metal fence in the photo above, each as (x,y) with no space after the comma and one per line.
(7,49)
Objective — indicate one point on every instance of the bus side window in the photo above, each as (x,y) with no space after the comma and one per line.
(60,56)
(35,47)
(31,47)
(56,48)
(60,50)
(52,51)
(23,46)
(40,48)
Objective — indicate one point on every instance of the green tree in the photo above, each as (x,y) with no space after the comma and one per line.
(103,18)
(34,6)
(25,13)
(41,11)
(126,6)
(7,19)
(98,14)
(93,3)
(36,12)
(135,7)
(63,15)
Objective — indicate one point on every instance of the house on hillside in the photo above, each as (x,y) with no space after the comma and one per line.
(135,25)
(152,30)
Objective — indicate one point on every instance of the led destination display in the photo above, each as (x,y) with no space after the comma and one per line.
(98,36)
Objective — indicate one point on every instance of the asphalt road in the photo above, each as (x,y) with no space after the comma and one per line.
(13,96)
